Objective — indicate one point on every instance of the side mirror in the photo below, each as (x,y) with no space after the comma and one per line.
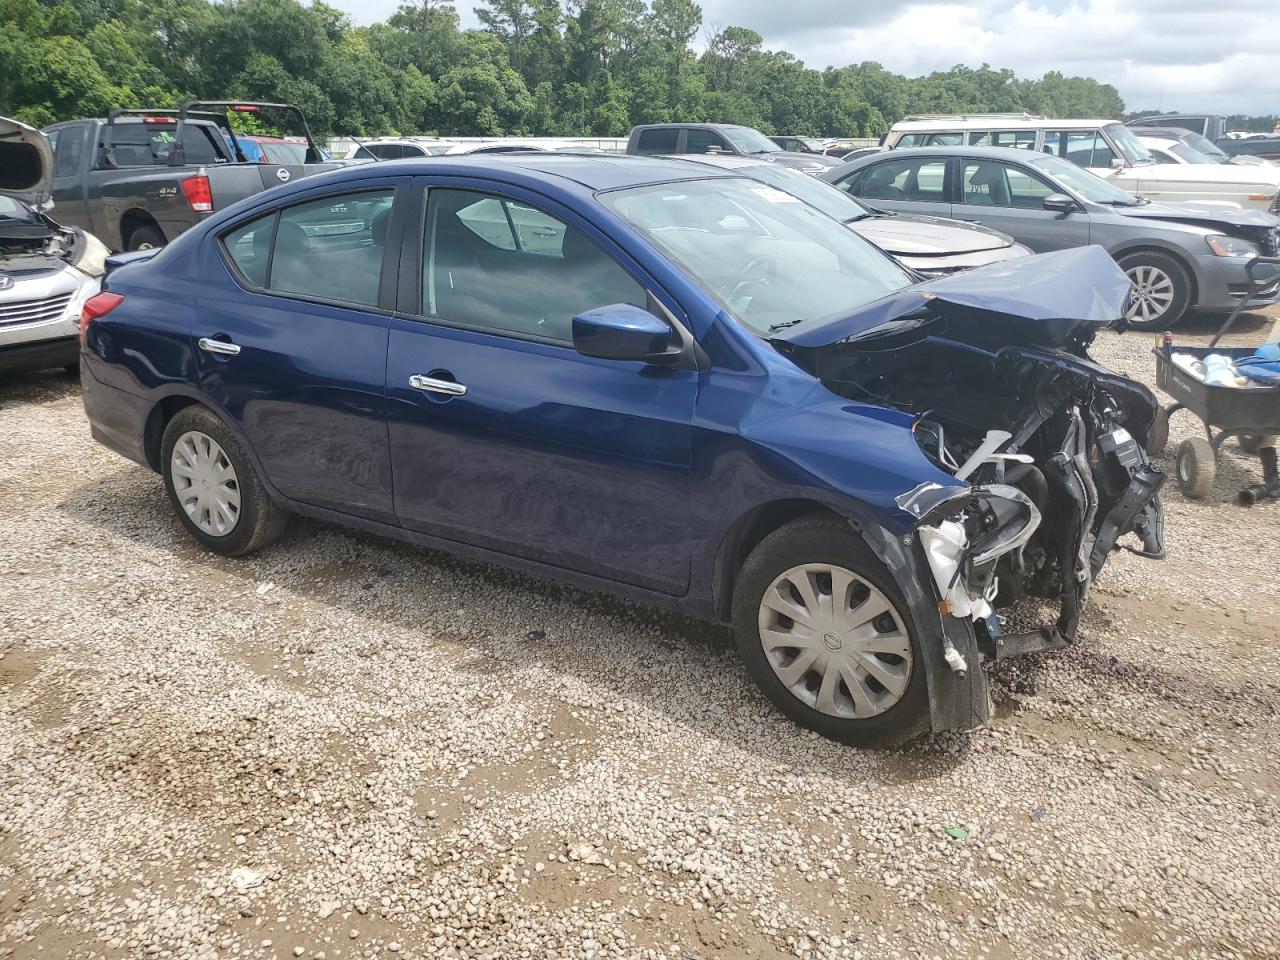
(1117,163)
(622,331)
(1060,203)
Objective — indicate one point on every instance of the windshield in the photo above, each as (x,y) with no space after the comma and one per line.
(1205,146)
(1084,183)
(831,200)
(1128,145)
(1182,151)
(750,140)
(771,260)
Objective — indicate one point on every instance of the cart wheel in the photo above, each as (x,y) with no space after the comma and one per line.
(1196,468)
(1253,442)
(1158,435)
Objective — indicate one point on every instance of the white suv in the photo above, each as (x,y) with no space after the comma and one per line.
(1105,147)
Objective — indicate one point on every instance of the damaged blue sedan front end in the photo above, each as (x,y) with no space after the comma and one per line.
(1043,447)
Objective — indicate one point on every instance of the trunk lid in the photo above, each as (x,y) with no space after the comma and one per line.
(908,235)
(26,163)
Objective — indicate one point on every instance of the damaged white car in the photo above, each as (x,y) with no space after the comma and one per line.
(47,271)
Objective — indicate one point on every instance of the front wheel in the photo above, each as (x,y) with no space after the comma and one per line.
(1160,293)
(826,635)
(213,487)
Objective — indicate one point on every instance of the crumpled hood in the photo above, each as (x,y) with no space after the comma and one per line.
(26,163)
(909,235)
(1029,301)
(1207,215)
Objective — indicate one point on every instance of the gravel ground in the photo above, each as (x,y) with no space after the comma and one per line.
(344,747)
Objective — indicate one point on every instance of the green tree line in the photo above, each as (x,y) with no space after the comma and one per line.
(535,67)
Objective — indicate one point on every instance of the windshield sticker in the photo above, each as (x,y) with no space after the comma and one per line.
(773,196)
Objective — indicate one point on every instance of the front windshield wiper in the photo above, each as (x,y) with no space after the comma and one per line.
(860,216)
(783,324)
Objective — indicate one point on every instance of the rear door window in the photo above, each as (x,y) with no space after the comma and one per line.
(918,178)
(662,140)
(1014,139)
(68,149)
(327,249)
(950,138)
(1084,148)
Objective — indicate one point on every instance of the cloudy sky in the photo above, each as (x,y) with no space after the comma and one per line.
(1220,56)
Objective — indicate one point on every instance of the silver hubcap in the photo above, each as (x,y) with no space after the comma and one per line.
(205,483)
(835,641)
(1152,293)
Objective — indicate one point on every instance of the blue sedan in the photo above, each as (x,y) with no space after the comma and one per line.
(671,383)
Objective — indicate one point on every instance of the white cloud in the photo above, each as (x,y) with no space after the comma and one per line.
(1188,55)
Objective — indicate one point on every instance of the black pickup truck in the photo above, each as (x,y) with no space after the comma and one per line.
(138,178)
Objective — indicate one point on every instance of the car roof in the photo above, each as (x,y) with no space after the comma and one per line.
(996,123)
(591,170)
(993,153)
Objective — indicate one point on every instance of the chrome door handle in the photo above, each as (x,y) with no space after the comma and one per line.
(429,385)
(219,346)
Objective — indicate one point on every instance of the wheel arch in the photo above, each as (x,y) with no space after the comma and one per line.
(133,219)
(1174,254)
(746,532)
(157,420)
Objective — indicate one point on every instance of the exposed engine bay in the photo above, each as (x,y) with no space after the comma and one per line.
(1051,445)
(31,243)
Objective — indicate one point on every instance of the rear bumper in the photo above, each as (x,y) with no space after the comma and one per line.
(1223,283)
(38,355)
(116,419)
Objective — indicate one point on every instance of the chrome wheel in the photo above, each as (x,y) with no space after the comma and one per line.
(835,641)
(1152,293)
(205,483)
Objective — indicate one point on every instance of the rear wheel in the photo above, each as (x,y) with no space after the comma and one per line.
(826,635)
(1161,291)
(146,238)
(213,487)
(1196,468)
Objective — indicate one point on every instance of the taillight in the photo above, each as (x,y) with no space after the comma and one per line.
(199,196)
(99,305)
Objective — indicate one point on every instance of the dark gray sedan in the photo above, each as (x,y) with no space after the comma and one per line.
(1179,256)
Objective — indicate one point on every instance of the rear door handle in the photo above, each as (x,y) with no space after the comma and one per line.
(219,346)
(449,388)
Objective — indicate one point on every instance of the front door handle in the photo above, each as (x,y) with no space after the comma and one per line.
(449,388)
(219,346)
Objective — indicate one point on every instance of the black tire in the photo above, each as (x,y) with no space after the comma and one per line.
(821,539)
(260,520)
(1158,435)
(145,238)
(1195,468)
(1179,279)
(73,369)
(1253,442)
